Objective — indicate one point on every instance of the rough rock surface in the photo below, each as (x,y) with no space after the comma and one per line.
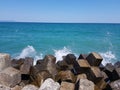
(10,77)
(85,84)
(30,87)
(50,84)
(4,61)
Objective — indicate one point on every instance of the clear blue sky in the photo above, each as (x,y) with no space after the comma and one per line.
(60,10)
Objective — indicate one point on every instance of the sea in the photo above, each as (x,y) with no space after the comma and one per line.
(30,39)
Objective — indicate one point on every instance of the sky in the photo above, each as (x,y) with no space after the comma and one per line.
(80,11)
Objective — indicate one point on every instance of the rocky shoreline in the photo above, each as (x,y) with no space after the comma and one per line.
(71,73)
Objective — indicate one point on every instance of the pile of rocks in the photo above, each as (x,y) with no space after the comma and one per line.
(84,73)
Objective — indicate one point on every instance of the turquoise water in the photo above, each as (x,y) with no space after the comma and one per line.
(39,39)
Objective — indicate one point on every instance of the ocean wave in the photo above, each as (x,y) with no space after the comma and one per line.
(108,57)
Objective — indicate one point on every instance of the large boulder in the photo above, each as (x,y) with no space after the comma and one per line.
(4,61)
(50,84)
(94,59)
(67,86)
(85,84)
(30,87)
(81,66)
(10,77)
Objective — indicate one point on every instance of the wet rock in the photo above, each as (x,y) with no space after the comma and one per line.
(95,74)
(25,68)
(30,87)
(65,76)
(17,63)
(81,66)
(4,61)
(117,64)
(115,85)
(67,86)
(82,56)
(10,77)
(85,84)
(70,59)
(3,87)
(94,59)
(50,84)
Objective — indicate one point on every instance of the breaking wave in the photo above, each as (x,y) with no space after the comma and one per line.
(108,57)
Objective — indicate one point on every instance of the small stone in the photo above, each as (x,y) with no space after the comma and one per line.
(10,77)
(49,84)
(4,61)
(94,59)
(67,86)
(30,87)
(85,84)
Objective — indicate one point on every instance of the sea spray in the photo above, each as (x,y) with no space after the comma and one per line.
(108,57)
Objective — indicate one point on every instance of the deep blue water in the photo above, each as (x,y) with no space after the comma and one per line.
(39,39)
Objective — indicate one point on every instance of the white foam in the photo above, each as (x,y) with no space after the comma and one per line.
(108,57)
(30,51)
(61,52)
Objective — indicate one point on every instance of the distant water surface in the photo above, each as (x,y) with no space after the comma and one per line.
(38,39)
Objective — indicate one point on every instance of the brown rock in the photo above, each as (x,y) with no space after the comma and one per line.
(16,88)
(82,56)
(49,59)
(67,86)
(65,76)
(102,84)
(95,74)
(81,76)
(10,77)
(81,66)
(94,59)
(70,59)
(25,68)
(4,61)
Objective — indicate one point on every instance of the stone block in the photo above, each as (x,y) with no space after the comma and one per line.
(25,67)
(81,66)
(70,59)
(65,76)
(29,87)
(40,61)
(49,84)
(85,84)
(67,86)
(94,59)
(117,64)
(116,74)
(105,77)
(49,59)
(81,76)
(4,61)
(94,74)
(10,77)
(115,85)
(82,56)
(101,84)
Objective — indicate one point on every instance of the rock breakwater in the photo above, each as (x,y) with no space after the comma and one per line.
(71,73)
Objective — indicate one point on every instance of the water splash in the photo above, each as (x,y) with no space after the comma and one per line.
(62,52)
(108,57)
